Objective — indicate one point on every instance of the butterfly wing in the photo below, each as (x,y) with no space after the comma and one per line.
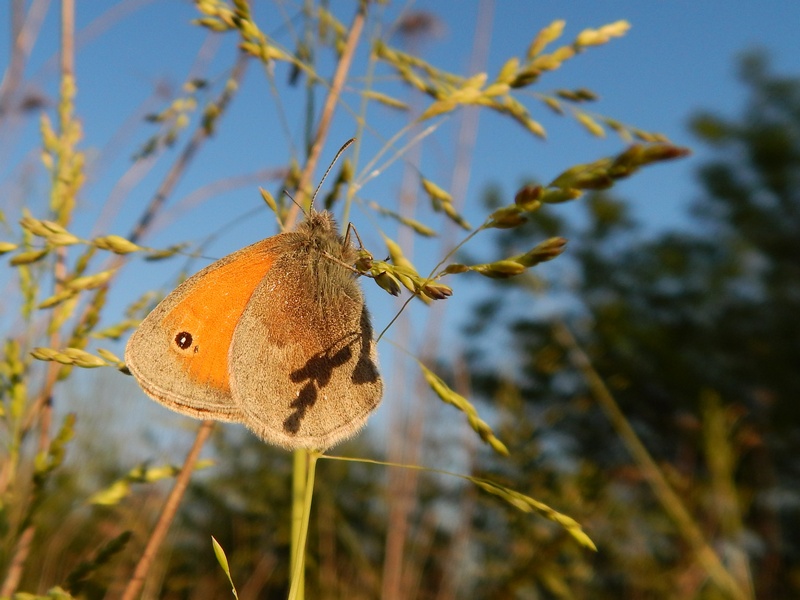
(179,353)
(303,362)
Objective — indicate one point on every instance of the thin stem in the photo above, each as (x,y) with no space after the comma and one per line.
(17,564)
(24,32)
(339,77)
(134,587)
(299,484)
(370,171)
(398,465)
(297,573)
(200,135)
(61,206)
(67,37)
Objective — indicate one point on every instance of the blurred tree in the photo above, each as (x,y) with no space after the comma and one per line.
(695,333)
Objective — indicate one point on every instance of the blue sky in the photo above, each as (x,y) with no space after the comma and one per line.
(677,57)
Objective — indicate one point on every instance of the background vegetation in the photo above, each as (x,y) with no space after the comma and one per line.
(656,406)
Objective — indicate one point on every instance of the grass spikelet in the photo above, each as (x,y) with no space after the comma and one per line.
(528,504)
(446,394)
(223,562)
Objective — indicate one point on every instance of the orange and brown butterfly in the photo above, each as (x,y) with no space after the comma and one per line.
(275,336)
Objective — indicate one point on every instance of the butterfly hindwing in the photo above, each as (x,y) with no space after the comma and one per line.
(304,364)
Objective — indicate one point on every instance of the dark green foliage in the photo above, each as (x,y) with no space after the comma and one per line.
(665,321)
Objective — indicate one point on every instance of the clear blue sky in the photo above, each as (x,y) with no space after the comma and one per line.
(678,57)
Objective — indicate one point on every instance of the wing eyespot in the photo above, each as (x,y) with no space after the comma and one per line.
(183,340)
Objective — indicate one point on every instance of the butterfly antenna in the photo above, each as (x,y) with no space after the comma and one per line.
(333,162)
(297,204)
